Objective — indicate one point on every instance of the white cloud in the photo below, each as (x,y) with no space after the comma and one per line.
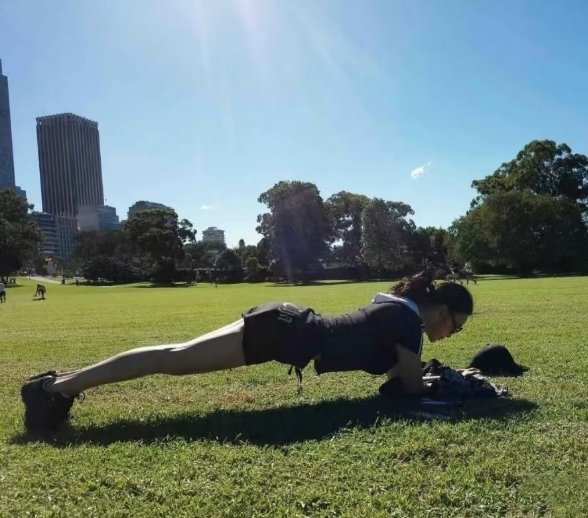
(420,171)
(207,207)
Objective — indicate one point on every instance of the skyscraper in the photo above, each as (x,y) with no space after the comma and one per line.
(6,156)
(69,163)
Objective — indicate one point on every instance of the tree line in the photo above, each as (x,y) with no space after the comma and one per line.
(530,215)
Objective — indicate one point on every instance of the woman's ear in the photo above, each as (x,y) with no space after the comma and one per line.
(443,311)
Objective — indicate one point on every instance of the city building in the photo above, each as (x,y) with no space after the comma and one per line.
(59,234)
(6,152)
(145,205)
(213,234)
(98,218)
(71,172)
(21,192)
(69,164)
(48,226)
(6,155)
(67,233)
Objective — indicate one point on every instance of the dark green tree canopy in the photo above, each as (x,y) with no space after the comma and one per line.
(108,243)
(228,260)
(531,213)
(109,268)
(186,231)
(157,232)
(542,167)
(19,234)
(297,227)
(386,235)
(524,231)
(345,211)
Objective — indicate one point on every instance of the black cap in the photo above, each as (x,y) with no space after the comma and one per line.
(496,359)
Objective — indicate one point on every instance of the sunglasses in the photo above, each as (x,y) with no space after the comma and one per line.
(456,328)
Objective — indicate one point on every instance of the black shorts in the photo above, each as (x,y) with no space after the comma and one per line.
(282,332)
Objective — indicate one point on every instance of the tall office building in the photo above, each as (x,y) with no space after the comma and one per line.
(69,163)
(144,205)
(213,234)
(98,219)
(48,227)
(6,156)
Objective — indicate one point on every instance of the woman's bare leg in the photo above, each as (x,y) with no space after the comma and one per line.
(214,351)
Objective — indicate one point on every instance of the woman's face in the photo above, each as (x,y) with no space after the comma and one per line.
(441,323)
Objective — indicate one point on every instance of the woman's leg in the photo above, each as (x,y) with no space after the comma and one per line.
(217,350)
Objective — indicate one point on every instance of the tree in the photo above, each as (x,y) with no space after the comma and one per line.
(204,253)
(421,251)
(245,252)
(109,243)
(229,263)
(102,253)
(253,270)
(186,232)
(439,245)
(542,167)
(263,252)
(198,256)
(19,234)
(524,231)
(345,210)
(469,241)
(386,232)
(531,213)
(109,268)
(156,232)
(228,260)
(297,228)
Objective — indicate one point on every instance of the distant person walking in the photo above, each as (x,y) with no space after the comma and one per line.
(468,273)
(2,293)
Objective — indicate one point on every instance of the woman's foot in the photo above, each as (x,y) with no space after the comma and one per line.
(44,411)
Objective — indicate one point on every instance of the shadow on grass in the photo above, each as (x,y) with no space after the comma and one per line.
(276,426)
(165,285)
(512,277)
(327,283)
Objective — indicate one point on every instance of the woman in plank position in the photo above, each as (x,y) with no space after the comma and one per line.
(383,337)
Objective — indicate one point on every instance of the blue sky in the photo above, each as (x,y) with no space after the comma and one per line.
(203,105)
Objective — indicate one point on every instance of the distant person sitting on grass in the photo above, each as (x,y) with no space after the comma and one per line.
(384,337)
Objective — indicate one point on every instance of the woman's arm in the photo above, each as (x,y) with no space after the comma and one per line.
(408,370)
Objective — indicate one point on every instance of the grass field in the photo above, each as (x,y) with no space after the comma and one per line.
(243,443)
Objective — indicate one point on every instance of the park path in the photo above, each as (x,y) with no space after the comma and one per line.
(44,279)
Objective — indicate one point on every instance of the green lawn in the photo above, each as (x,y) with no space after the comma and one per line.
(243,443)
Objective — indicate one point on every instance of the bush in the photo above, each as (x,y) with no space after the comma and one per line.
(104,267)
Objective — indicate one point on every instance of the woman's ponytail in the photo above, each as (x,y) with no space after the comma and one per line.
(421,289)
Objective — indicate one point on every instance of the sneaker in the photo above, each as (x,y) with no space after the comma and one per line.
(44,411)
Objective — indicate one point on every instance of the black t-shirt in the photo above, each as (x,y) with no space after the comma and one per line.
(366,339)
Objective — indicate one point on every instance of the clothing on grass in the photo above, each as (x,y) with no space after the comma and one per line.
(444,383)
